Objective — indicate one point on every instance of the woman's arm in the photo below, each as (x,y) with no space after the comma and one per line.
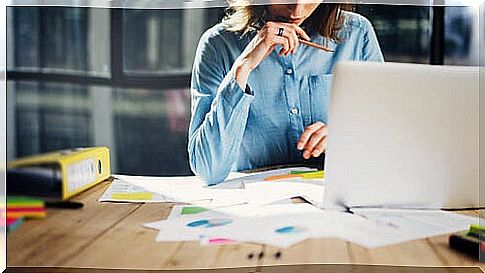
(220,109)
(221,100)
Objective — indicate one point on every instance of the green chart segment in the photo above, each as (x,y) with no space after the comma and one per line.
(193,210)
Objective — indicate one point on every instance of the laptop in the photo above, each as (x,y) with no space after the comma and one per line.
(403,136)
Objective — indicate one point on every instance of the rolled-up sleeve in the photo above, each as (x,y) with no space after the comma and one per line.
(219,114)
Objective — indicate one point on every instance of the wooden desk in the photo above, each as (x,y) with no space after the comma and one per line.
(109,235)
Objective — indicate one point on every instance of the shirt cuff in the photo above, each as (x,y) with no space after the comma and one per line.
(248,90)
(234,94)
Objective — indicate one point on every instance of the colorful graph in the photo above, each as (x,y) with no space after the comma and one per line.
(210,223)
(289,230)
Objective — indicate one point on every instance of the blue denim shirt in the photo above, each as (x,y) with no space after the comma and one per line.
(232,130)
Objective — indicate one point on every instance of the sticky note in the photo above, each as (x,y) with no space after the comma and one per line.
(26,214)
(133,196)
(475,228)
(13,223)
(21,201)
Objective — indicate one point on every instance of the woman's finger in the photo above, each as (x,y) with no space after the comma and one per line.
(315,138)
(305,136)
(283,42)
(302,33)
(320,147)
(306,154)
(288,32)
(292,36)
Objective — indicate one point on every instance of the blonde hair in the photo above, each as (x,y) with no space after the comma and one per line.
(243,16)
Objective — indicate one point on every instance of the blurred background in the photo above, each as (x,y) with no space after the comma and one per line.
(120,78)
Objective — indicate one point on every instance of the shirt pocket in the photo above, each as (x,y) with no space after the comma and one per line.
(320,87)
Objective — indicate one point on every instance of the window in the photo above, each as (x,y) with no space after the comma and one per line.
(111,77)
(461,36)
(404,32)
(120,77)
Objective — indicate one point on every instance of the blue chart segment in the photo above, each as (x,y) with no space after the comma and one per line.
(289,230)
(198,223)
(208,223)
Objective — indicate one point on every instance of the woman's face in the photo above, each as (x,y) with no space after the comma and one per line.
(293,13)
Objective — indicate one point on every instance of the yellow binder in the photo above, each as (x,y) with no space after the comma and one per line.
(58,175)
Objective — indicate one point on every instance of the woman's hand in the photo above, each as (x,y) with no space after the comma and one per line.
(313,140)
(263,44)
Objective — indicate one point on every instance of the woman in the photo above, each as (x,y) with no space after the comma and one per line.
(259,96)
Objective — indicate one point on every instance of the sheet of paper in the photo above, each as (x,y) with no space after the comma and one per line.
(280,225)
(239,210)
(123,191)
(259,176)
(190,226)
(311,192)
(400,225)
(192,190)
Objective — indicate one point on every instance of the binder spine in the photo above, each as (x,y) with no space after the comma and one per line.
(80,174)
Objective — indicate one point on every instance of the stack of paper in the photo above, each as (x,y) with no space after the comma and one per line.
(238,189)
(257,209)
(283,225)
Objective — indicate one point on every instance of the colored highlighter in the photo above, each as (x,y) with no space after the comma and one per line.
(297,174)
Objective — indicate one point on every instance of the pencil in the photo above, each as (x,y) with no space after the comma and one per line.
(305,42)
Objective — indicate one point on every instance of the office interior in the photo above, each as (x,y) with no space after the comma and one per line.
(81,76)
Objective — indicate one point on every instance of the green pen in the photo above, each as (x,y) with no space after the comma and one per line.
(307,172)
(476,228)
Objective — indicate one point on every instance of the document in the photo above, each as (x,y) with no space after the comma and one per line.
(380,227)
(124,191)
(278,225)
(256,208)
(283,225)
(238,189)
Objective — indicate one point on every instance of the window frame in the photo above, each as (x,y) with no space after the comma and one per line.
(118,78)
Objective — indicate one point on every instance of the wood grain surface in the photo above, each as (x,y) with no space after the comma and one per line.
(111,235)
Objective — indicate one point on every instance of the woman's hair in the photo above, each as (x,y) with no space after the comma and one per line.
(242,16)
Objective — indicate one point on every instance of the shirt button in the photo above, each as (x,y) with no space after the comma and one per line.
(289,71)
(294,111)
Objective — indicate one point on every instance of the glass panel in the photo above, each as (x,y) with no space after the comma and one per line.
(404,32)
(163,41)
(60,40)
(151,131)
(51,116)
(461,36)
(146,130)
(24,29)
(152,40)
